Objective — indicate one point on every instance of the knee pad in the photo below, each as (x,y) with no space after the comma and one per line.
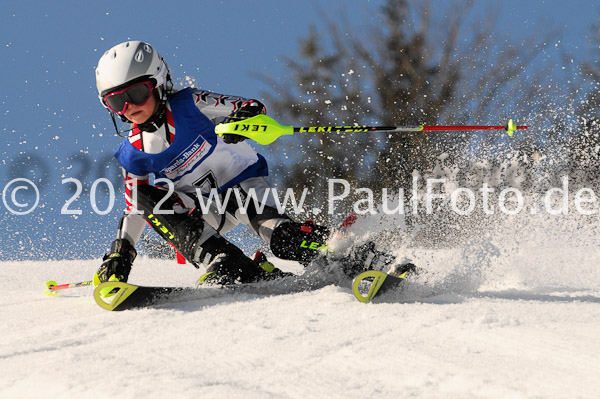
(185,231)
(301,242)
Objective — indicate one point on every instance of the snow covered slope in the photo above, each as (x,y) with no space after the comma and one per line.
(501,318)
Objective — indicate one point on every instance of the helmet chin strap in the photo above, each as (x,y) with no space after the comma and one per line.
(156,120)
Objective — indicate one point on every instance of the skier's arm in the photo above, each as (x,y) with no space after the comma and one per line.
(221,108)
(217,107)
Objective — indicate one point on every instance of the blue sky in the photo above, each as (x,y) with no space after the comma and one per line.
(54,127)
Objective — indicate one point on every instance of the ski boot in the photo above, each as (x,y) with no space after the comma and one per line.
(364,257)
(268,270)
(217,274)
(227,264)
(403,270)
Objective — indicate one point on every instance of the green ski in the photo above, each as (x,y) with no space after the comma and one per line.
(129,296)
(373,282)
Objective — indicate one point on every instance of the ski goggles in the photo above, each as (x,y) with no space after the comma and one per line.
(137,93)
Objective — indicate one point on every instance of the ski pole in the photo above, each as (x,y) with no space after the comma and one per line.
(265,130)
(52,287)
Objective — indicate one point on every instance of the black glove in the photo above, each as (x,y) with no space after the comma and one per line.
(116,265)
(247,110)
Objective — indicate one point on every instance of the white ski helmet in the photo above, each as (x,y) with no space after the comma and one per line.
(127,62)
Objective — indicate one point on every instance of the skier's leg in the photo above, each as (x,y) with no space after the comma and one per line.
(301,242)
(257,209)
(198,242)
(287,239)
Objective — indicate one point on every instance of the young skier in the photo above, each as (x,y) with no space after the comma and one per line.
(172,140)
